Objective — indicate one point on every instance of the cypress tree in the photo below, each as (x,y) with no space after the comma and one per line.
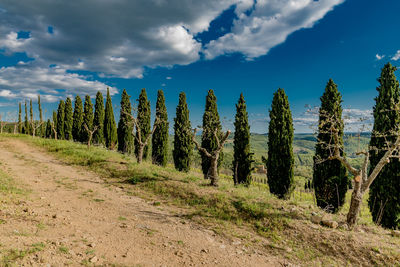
(48,131)
(210,123)
(87,119)
(125,125)
(19,118)
(183,145)
(77,119)
(55,124)
(30,117)
(60,120)
(384,192)
(98,136)
(280,162)
(42,126)
(242,157)
(329,177)
(159,141)
(68,119)
(26,126)
(110,130)
(143,121)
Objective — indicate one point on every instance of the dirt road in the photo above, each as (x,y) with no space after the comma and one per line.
(71,216)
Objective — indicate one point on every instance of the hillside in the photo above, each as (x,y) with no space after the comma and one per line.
(65,204)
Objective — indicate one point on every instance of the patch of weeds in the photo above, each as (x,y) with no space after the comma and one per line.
(63,249)
(2,221)
(156,203)
(121,218)
(180,242)
(41,226)
(89,251)
(98,200)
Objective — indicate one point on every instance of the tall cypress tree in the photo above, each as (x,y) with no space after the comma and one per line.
(19,118)
(210,123)
(26,126)
(242,157)
(55,124)
(329,178)
(87,119)
(42,125)
(30,117)
(60,119)
(48,131)
(143,121)
(68,119)
(110,129)
(384,192)
(159,139)
(98,136)
(125,125)
(77,119)
(280,162)
(183,145)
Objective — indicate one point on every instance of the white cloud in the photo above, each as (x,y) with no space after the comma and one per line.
(379,57)
(52,83)
(268,25)
(119,38)
(396,56)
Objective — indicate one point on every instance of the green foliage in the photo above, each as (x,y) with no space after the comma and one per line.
(19,118)
(41,130)
(77,119)
(110,129)
(280,163)
(87,119)
(384,194)
(98,136)
(330,177)
(60,120)
(143,121)
(55,124)
(48,131)
(242,157)
(183,145)
(159,139)
(211,123)
(125,125)
(26,123)
(68,119)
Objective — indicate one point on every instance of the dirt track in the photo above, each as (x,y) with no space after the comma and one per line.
(82,219)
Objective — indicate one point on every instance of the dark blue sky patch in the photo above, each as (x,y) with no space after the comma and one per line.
(218,27)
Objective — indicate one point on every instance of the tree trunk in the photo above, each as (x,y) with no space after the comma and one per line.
(140,154)
(213,171)
(90,140)
(355,203)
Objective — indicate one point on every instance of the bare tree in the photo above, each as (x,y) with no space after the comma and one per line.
(35,126)
(362,180)
(90,133)
(2,123)
(53,128)
(212,172)
(141,140)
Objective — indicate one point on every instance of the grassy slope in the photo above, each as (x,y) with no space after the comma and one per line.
(262,222)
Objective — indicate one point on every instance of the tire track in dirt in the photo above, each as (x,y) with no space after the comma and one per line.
(83,220)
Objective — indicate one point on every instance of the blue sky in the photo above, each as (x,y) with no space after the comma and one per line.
(231,46)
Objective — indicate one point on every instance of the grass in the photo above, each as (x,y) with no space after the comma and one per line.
(283,227)
(12,255)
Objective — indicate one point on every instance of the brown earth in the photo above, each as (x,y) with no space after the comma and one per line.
(81,219)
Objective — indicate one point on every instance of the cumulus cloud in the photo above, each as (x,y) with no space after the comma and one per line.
(396,56)
(269,24)
(52,83)
(119,38)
